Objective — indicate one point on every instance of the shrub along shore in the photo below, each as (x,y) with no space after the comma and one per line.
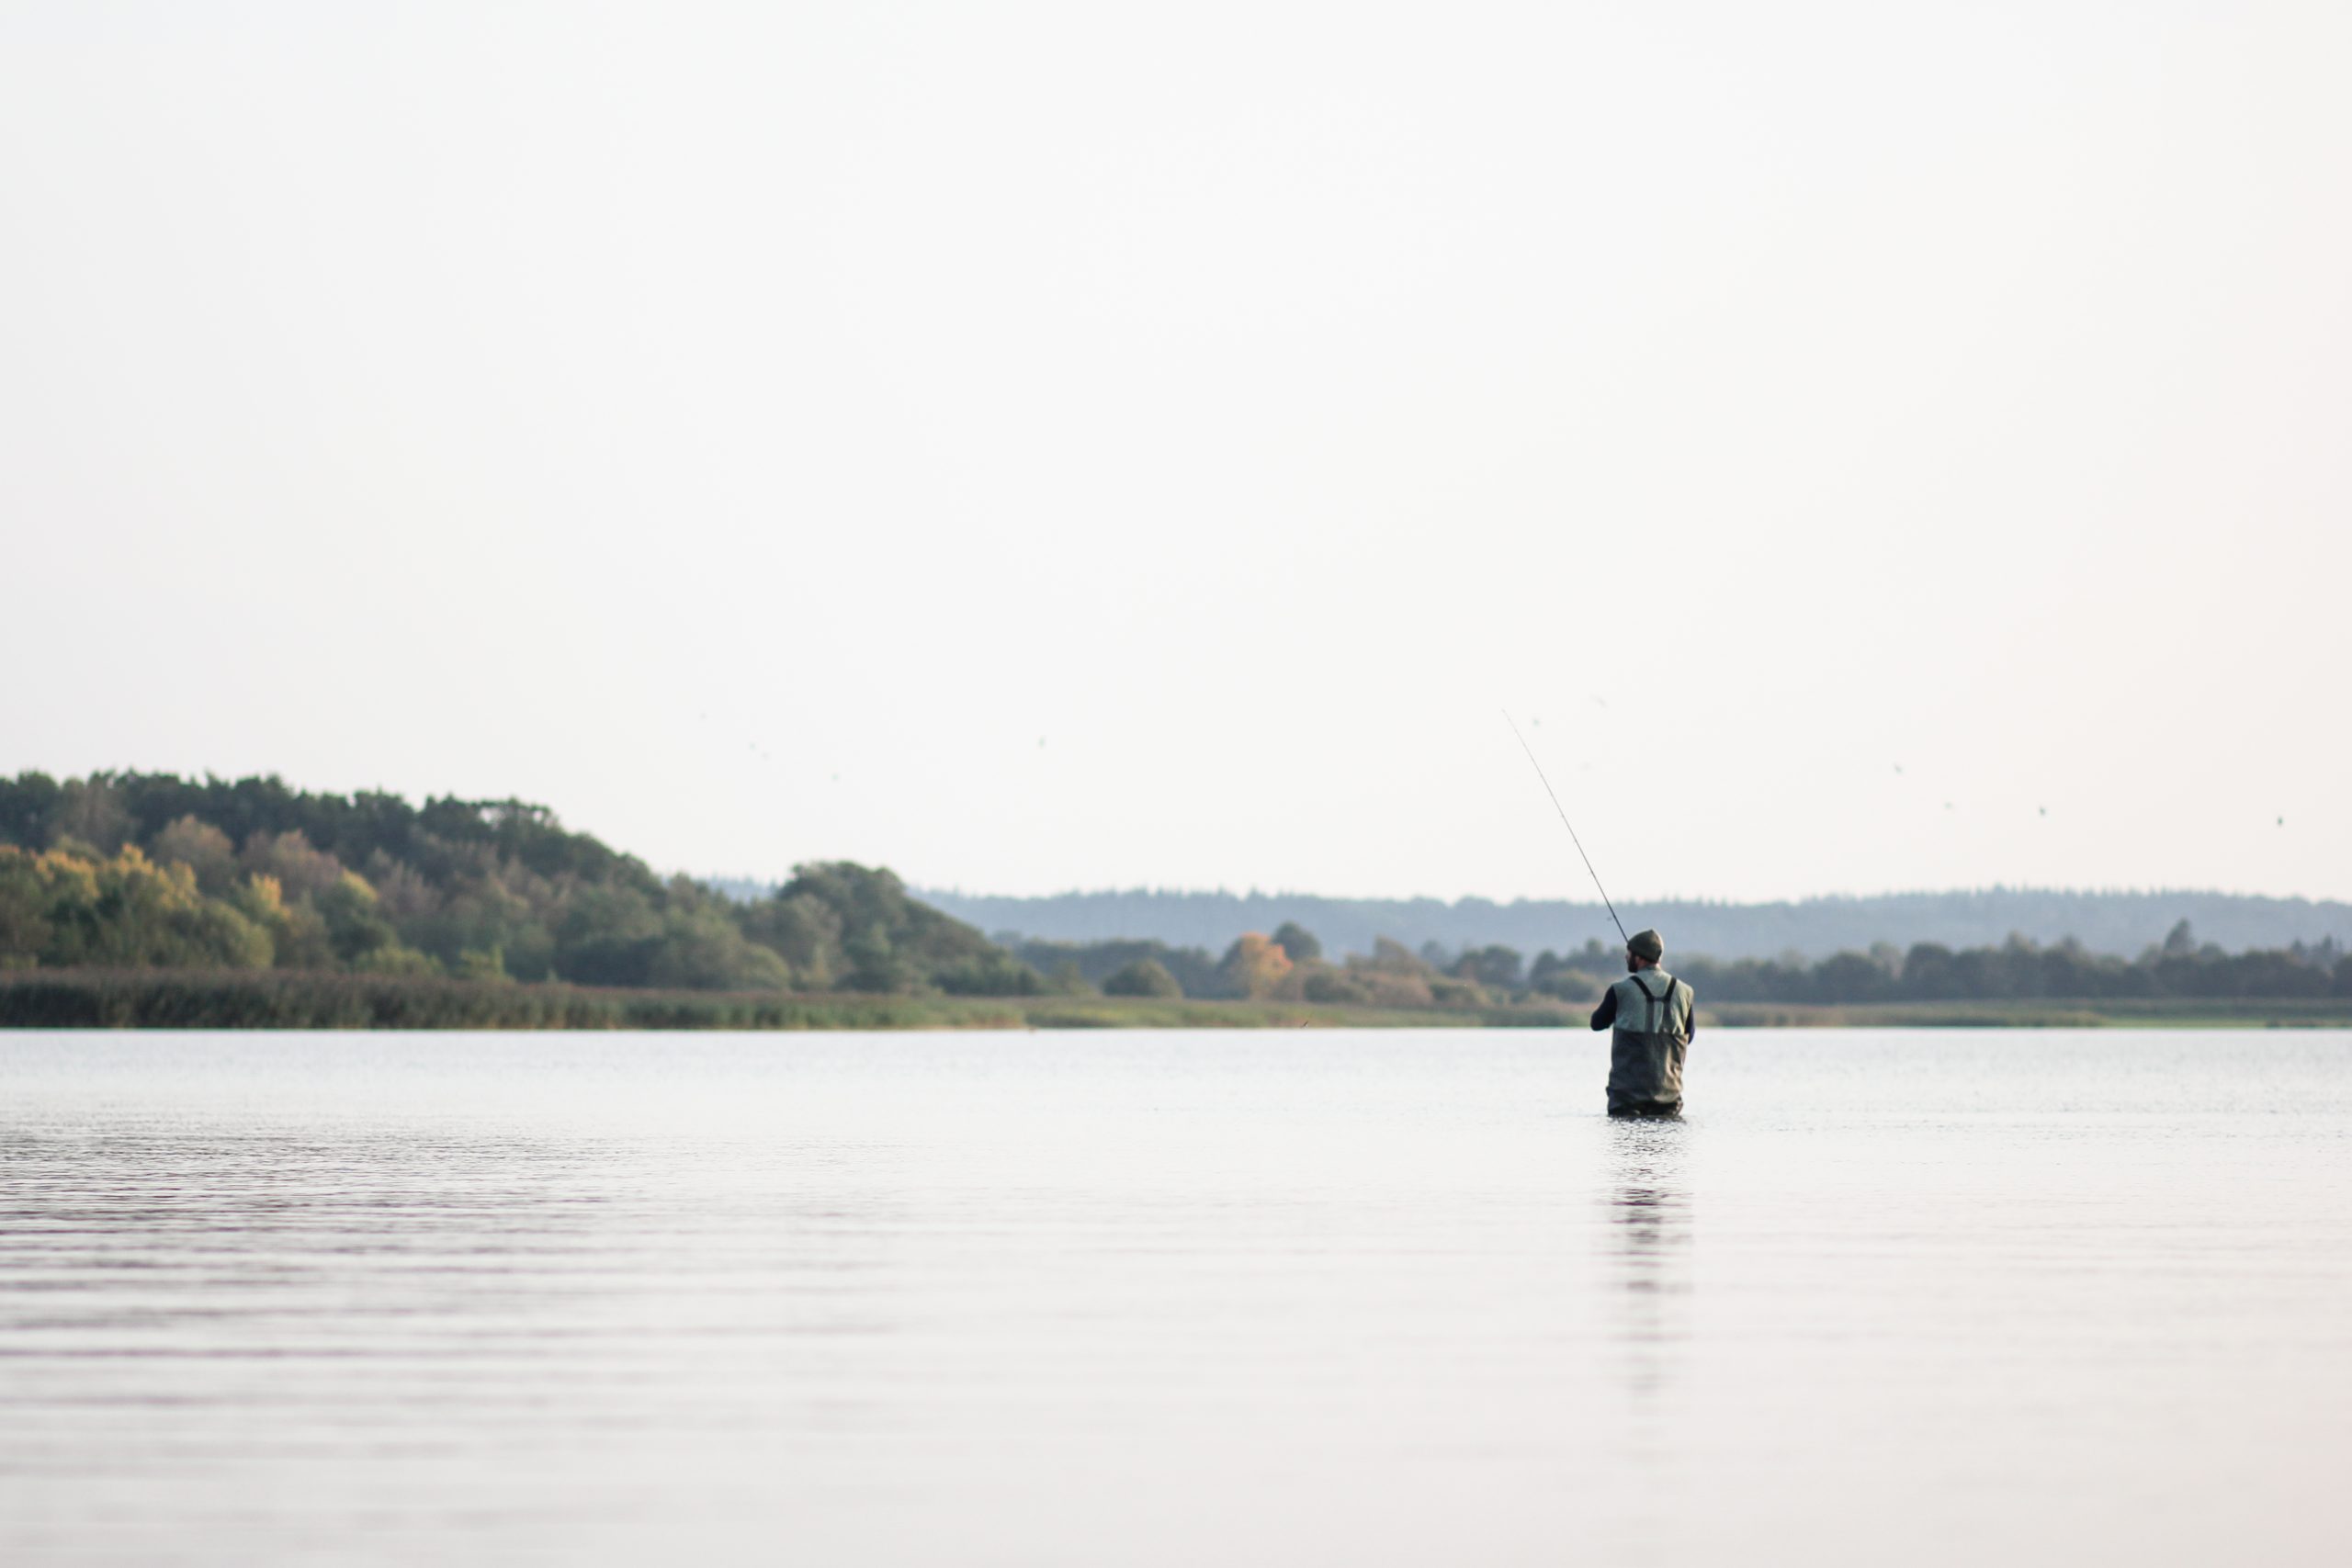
(64,998)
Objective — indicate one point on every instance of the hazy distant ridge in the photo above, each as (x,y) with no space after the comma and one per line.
(2120,923)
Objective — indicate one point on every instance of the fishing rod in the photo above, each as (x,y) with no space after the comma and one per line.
(1566,823)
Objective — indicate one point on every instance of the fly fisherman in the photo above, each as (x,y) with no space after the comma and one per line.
(1654,1015)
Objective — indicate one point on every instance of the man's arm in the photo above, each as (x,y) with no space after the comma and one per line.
(1606,1013)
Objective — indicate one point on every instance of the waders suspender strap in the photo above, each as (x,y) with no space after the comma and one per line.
(1649,1014)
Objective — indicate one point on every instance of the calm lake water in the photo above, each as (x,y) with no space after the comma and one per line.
(1173,1298)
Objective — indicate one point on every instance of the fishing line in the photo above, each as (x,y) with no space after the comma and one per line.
(1566,823)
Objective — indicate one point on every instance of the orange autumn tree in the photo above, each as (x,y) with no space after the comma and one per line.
(1255,965)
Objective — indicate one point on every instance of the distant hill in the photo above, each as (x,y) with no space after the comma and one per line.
(2122,923)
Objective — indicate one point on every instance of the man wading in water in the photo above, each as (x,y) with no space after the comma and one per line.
(1654,1015)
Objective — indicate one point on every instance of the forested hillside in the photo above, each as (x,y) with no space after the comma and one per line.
(149,870)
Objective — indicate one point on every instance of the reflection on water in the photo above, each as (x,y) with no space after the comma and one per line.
(1170,1299)
(1649,1235)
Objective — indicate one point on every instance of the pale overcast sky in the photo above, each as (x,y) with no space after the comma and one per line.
(1044,447)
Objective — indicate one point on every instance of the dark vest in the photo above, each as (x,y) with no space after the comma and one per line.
(1651,1036)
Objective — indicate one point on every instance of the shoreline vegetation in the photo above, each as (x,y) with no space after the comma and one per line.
(2114,920)
(65,999)
(145,900)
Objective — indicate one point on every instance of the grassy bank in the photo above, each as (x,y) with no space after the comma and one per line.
(272,999)
(181,1000)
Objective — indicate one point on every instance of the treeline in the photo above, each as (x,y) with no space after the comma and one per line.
(2017,970)
(2021,970)
(140,871)
(2112,922)
(1288,966)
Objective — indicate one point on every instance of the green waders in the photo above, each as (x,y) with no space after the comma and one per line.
(1648,1046)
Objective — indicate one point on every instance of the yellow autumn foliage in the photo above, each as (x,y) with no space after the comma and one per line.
(1256,965)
